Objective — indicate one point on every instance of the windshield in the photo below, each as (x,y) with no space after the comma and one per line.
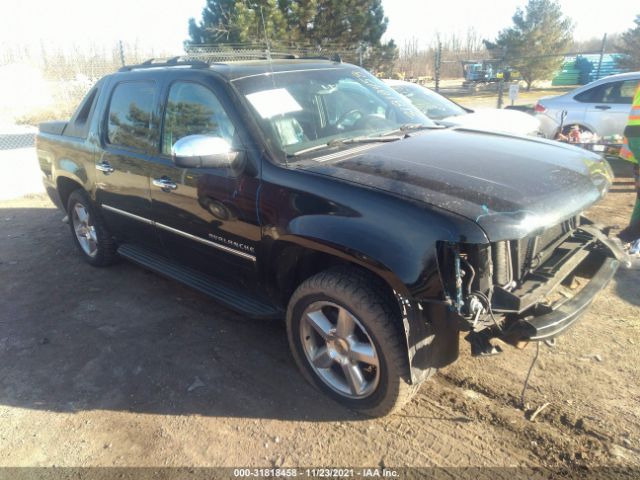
(305,110)
(434,106)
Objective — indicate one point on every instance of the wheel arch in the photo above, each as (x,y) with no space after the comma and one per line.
(293,260)
(65,185)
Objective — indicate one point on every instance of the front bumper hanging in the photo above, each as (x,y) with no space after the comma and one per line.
(554,320)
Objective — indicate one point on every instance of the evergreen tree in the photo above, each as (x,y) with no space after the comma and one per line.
(356,25)
(540,33)
(630,45)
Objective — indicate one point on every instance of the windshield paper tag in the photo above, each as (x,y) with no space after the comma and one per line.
(270,103)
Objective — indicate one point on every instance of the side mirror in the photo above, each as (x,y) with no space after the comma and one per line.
(203,151)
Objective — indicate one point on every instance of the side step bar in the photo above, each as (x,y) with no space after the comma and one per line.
(226,295)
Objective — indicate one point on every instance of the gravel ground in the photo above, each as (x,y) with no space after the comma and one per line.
(120,367)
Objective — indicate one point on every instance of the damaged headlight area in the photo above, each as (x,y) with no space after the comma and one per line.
(526,289)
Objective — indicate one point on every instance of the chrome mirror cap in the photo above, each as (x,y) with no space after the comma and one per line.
(200,146)
(203,151)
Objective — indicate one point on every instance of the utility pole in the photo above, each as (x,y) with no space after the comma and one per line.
(501,80)
(438,62)
(604,44)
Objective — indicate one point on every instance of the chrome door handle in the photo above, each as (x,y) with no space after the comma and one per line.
(165,183)
(603,107)
(105,167)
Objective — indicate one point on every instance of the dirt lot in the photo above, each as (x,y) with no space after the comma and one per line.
(119,367)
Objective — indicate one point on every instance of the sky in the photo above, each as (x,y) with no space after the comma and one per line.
(162,24)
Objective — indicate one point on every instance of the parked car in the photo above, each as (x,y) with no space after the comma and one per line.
(310,190)
(448,113)
(601,107)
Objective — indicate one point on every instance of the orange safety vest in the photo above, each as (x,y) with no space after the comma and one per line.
(634,119)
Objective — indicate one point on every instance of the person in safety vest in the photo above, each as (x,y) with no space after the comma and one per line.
(631,152)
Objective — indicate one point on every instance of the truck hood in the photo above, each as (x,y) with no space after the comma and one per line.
(510,186)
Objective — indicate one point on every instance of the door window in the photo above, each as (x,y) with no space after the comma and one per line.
(614,92)
(627,90)
(193,109)
(131,121)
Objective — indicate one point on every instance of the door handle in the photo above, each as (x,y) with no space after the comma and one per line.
(165,184)
(603,107)
(105,167)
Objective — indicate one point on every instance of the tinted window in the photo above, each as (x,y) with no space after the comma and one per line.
(614,92)
(194,110)
(131,121)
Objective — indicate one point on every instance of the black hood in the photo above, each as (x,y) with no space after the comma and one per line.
(511,186)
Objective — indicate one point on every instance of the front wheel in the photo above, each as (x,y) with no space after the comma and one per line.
(345,339)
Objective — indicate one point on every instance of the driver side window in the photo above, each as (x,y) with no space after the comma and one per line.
(193,109)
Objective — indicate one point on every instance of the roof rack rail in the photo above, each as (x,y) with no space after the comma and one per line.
(229,56)
(334,58)
(171,62)
(293,56)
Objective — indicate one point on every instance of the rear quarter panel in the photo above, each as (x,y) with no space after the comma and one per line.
(65,157)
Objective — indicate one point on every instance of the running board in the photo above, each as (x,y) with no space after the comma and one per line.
(224,294)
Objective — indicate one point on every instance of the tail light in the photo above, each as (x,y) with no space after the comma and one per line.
(539,108)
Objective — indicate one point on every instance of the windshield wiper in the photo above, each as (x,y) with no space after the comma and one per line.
(409,127)
(336,142)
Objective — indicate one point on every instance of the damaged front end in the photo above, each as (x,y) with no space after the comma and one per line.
(529,289)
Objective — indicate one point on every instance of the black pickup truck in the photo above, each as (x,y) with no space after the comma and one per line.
(308,189)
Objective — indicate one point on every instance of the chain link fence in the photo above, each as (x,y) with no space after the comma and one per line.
(37,86)
(16,137)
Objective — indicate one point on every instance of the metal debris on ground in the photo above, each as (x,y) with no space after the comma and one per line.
(537,412)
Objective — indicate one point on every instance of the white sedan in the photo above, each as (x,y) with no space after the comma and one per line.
(448,113)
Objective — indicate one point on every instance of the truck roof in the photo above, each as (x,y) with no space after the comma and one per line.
(234,70)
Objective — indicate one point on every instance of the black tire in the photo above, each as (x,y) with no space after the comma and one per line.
(105,253)
(372,306)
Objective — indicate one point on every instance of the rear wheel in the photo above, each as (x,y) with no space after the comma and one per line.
(89,231)
(345,339)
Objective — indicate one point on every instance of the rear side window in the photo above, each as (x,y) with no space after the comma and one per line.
(628,90)
(131,121)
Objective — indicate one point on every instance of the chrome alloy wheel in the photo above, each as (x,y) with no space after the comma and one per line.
(84,229)
(339,350)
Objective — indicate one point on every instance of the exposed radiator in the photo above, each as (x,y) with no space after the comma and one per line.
(512,260)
